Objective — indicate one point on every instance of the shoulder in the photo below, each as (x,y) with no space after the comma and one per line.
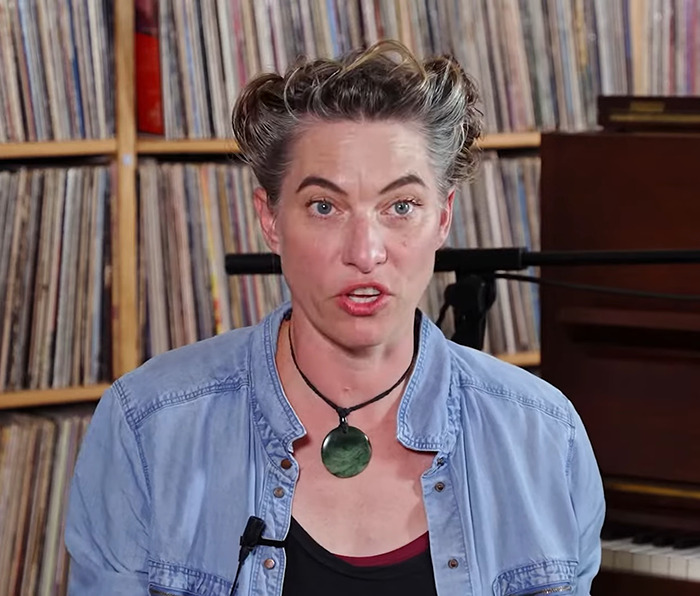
(216,365)
(492,381)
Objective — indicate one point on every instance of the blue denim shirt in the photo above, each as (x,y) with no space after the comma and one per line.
(184,449)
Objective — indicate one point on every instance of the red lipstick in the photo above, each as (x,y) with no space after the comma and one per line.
(363,299)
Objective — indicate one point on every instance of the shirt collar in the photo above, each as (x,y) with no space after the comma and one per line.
(267,385)
(427,415)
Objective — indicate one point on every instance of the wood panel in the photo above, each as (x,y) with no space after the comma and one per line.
(630,365)
(126,351)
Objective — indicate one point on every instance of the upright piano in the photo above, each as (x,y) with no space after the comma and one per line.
(630,364)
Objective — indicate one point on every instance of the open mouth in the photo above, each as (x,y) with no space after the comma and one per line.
(364,295)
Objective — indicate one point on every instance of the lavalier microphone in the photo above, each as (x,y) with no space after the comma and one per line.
(252,537)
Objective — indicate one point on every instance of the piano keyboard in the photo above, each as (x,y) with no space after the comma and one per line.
(653,555)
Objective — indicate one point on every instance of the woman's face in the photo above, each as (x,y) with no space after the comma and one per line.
(357,225)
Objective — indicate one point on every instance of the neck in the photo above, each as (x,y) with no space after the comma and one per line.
(347,376)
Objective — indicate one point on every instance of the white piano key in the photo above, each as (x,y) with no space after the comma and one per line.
(609,548)
(679,567)
(630,557)
(622,559)
(661,560)
(694,568)
(641,557)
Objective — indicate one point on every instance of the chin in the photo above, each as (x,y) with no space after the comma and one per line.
(368,331)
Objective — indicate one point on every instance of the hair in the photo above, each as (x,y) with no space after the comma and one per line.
(382,83)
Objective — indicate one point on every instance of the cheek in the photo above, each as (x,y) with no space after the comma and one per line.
(305,254)
(424,238)
(306,246)
(416,252)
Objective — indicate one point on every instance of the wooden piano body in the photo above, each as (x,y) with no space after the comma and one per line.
(630,365)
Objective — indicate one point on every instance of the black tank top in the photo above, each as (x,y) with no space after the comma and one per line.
(314,571)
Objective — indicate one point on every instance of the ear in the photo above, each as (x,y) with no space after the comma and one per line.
(446,217)
(267,218)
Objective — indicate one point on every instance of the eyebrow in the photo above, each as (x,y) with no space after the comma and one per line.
(403,181)
(324,183)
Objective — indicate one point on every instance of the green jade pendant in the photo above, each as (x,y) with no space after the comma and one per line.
(346,451)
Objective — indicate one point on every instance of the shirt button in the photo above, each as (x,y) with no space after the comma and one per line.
(452,563)
(269,563)
(278,492)
(439,486)
(286,464)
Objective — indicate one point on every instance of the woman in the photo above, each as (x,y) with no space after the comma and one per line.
(381,457)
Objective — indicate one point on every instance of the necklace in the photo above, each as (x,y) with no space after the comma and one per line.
(346,450)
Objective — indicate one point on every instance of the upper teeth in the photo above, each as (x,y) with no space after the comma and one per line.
(365,292)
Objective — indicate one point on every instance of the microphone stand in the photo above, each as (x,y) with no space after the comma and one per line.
(474,291)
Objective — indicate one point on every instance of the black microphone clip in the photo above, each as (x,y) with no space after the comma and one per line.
(252,537)
(249,539)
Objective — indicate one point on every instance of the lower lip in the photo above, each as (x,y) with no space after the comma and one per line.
(362,309)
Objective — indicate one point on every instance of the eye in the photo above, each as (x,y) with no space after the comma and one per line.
(402,207)
(322,207)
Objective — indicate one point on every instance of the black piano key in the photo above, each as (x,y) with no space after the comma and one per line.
(663,539)
(614,531)
(685,541)
(645,536)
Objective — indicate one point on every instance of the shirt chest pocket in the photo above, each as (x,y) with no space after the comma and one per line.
(176,580)
(163,591)
(537,579)
(159,590)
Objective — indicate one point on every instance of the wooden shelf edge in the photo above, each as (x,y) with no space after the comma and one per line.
(526,359)
(199,146)
(58,149)
(651,489)
(146,146)
(510,140)
(48,397)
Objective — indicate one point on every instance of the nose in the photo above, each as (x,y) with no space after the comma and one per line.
(364,244)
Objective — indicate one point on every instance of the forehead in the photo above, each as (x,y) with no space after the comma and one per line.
(367,153)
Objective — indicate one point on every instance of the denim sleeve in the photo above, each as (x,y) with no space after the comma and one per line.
(586,490)
(108,511)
